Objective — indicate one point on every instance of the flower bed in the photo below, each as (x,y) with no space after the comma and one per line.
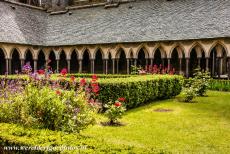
(136,89)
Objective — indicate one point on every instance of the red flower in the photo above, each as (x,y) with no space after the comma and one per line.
(94,76)
(121,99)
(117,104)
(72,78)
(95,89)
(41,71)
(82,82)
(58,92)
(63,71)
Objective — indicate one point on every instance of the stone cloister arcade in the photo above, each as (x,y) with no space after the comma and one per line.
(184,56)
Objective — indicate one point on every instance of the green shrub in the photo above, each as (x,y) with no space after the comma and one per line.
(189,93)
(201,82)
(140,89)
(114,111)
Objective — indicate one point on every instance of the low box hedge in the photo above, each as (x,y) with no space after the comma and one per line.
(16,136)
(220,85)
(78,75)
(140,89)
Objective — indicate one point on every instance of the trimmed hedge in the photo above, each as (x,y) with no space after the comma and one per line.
(141,89)
(100,75)
(16,135)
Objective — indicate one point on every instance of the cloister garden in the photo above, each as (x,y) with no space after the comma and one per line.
(150,110)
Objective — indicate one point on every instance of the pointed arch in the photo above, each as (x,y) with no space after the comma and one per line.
(180,50)
(15,61)
(194,46)
(110,63)
(29,58)
(52,61)
(63,60)
(41,60)
(74,64)
(86,64)
(99,61)
(145,49)
(4,51)
(18,50)
(121,61)
(95,52)
(215,45)
(2,62)
(218,59)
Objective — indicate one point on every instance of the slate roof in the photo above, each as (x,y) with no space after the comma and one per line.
(141,21)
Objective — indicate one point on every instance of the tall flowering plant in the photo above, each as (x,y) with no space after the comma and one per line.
(115,110)
(27,69)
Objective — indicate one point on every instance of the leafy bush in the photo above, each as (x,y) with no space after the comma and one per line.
(140,89)
(115,110)
(201,81)
(189,93)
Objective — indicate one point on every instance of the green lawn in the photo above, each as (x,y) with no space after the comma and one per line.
(199,127)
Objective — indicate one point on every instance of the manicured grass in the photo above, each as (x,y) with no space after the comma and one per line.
(199,127)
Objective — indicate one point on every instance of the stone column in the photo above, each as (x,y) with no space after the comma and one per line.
(35,65)
(80,65)
(187,67)
(228,66)
(22,62)
(180,67)
(128,71)
(221,65)
(113,60)
(68,65)
(207,64)
(218,66)
(213,65)
(7,65)
(135,62)
(151,62)
(199,62)
(10,66)
(92,66)
(106,66)
(147,61)
(169,64)
(117,66)
(57,68)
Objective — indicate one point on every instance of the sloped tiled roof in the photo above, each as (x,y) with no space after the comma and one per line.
(141,21)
